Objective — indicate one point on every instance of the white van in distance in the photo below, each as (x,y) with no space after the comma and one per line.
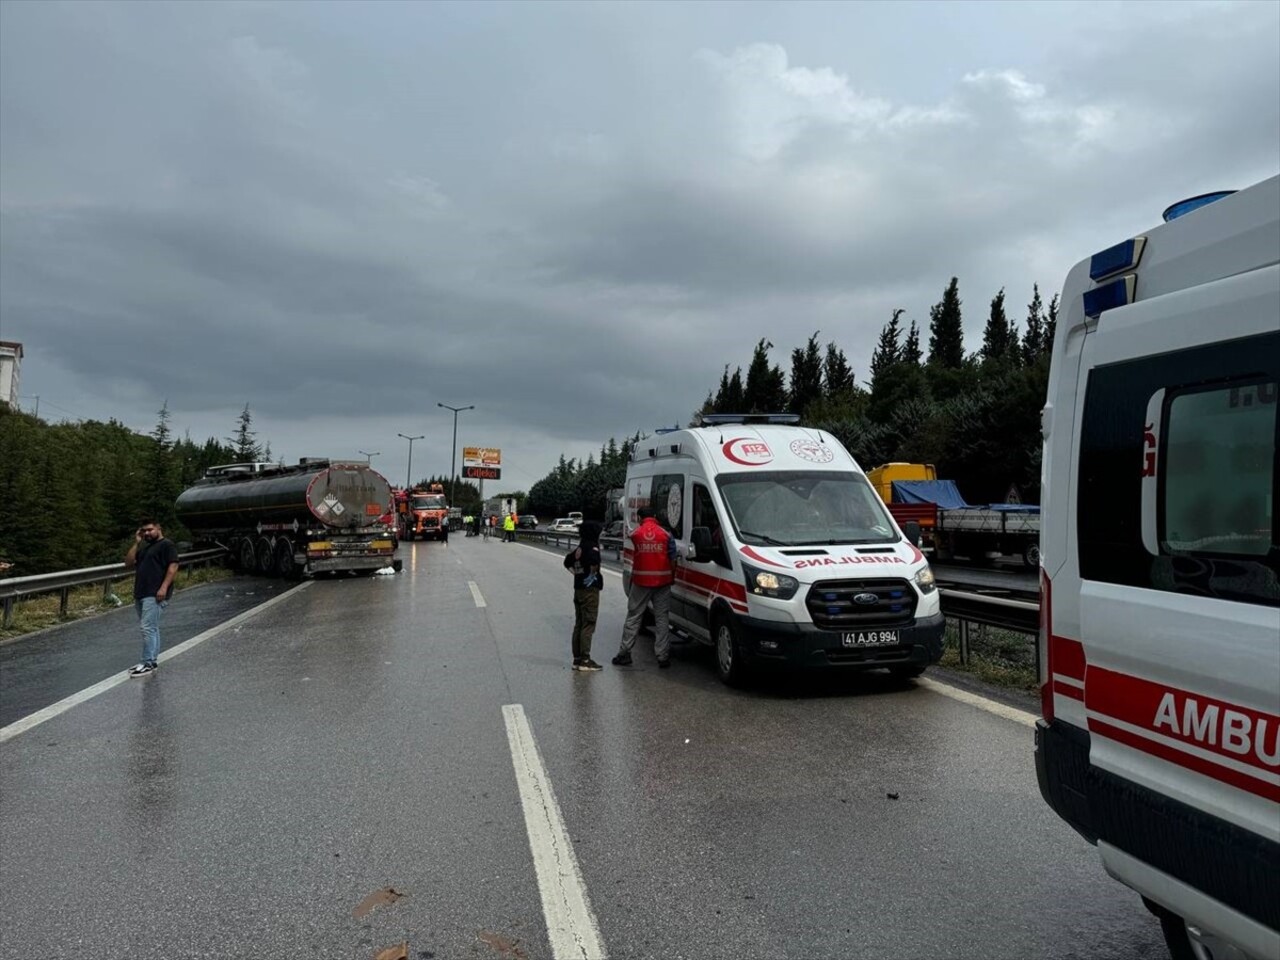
(786,555)
(1160,582)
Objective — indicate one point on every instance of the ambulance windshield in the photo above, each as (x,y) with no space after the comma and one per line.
(794,508)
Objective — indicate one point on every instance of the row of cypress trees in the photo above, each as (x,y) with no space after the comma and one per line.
(974,416)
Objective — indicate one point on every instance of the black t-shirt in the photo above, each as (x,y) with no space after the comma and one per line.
(585,565)
(153,560)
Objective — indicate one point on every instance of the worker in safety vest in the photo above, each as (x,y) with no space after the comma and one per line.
(509,528)
(652,573)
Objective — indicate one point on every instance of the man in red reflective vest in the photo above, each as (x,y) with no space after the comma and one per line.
(652,573)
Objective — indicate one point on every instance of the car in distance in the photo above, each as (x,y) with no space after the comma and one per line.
(613,530)
(564,525)
(527,521)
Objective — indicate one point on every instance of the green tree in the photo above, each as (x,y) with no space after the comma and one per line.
(766,390)
(837,376)
(162,479)
(911,352)
(806,376)
(246,447)
(1051,324)
(730,397)
(1000,339)
(946,330)
(1033,344)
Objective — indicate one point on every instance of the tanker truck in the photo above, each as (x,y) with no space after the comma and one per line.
(293,521)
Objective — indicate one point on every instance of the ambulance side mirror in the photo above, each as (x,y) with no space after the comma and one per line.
(911,530)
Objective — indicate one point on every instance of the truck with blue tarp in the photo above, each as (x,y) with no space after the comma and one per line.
(951,526)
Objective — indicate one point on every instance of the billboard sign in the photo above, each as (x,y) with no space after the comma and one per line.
(481,457)
(482,473)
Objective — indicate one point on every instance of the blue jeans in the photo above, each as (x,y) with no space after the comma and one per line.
(149,610)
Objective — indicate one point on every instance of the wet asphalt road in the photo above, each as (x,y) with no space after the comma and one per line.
(44,667)
(244,800)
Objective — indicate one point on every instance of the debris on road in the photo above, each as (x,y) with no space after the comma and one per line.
(504,945)
(399,952)
(892,796)
(379,898)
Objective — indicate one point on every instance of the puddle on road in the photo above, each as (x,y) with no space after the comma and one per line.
(379,898)
(505,946)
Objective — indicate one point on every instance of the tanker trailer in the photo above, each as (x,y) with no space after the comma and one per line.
(293,521)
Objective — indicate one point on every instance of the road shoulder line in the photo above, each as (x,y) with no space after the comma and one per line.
(982,703)
(102,686)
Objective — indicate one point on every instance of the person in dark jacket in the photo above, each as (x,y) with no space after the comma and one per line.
(584,561)
(154,561)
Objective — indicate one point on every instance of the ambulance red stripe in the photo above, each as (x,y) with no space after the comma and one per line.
(1067,657)
(1191,718)
(1235,778)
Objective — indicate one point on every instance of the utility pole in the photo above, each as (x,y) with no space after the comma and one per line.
(368,457)
(408,473)
(453,453)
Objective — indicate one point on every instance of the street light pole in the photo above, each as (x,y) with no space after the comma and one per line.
(368,457)
(408,473)
(453,453)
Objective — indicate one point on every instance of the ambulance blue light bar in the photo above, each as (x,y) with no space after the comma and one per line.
(1123,256)
(1183,207)
(1117,293)
(714,419)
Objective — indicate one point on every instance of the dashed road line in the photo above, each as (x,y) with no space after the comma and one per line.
(571,924)
(476,595)
(102,686)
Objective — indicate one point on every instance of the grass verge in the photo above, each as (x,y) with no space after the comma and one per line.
(1003,658)
(38,613)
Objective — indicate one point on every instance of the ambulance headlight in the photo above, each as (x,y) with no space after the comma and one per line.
(770,583)
(924,580)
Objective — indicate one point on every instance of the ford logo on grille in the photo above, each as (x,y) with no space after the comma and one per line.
(866,599)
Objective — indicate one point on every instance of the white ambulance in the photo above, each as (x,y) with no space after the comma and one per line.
(1160,596)
(786,555)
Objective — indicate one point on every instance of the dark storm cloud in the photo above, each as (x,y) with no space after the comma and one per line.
(573,214)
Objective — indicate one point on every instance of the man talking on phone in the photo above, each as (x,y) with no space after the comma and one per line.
(155,563)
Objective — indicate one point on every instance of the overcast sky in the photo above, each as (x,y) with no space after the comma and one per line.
(570,215)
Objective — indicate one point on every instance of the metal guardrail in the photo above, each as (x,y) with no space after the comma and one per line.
(970,609)
(63,582)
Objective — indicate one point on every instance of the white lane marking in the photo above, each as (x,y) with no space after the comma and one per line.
(476,595)
(571,925)
(982,703)
(88,693)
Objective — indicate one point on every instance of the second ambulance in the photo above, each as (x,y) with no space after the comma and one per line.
(787,556)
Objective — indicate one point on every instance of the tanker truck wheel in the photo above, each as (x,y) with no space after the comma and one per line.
(266,564)
(286,567)
(246,561)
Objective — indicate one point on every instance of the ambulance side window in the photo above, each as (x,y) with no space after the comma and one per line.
(1177,475)
(667,500)
(1218,476)
(704,515)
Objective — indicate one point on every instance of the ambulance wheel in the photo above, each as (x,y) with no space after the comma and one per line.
(729,659)
(1031,554)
